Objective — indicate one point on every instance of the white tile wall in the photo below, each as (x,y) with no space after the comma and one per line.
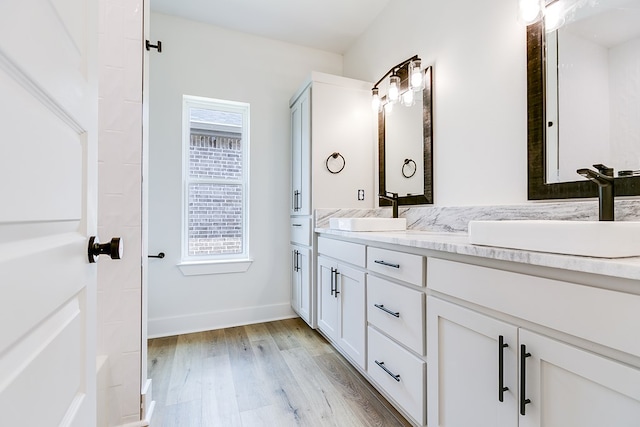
(119,203)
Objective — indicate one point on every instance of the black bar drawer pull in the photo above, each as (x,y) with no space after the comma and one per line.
(296,201)
(388,264)
(333,283)
(336,291)
(296,260)
(394,376)
(386,310)
(501,387)
(523,378)
(296,225)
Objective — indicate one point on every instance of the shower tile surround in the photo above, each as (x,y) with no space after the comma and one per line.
(449,228)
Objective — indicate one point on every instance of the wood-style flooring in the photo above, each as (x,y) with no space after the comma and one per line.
(277,374)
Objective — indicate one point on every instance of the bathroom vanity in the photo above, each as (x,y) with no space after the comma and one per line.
(455,334)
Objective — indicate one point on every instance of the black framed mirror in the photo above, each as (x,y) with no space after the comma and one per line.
(405,166)
(539,187)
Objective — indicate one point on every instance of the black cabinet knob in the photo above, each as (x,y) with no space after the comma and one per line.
(114,248)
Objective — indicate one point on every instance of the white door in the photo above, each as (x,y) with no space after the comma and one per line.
(568,386)
(296,279)
(48,142)
(351,318)
(327,298)
(301,155)
(304,265)
(464,354)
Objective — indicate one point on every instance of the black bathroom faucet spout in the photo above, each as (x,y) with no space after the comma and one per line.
(394,202)
(604,179)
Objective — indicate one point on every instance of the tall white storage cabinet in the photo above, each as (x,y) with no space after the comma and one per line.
(332,166)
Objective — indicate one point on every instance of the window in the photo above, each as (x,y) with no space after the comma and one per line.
(215,170)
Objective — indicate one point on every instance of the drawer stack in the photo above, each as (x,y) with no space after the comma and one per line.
(396,328)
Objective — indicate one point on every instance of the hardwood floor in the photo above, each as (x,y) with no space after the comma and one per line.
(271,374)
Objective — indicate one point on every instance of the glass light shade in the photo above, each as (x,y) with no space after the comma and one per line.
(408,98)
(388,108)
(416,77)
(530,11)
(375,100)
(554,16)
(394,88)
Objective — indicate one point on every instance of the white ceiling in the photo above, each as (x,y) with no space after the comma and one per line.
(330,25)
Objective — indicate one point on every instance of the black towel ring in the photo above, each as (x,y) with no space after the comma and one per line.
(335,156)
(408,162)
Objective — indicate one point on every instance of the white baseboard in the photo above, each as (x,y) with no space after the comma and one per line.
(146,400)
(176,325)
(143,423)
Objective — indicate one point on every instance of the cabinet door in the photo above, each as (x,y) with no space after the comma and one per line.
(304,271)
(351,306)
(301,155)
(568,386)
(463,368)
(295,279)
(327,298)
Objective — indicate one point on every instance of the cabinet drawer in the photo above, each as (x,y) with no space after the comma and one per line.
(399,265)
(408,387)
(398,311)
(301,230)
(352,253)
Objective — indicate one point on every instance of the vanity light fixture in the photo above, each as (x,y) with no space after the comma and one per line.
(408,98)
(416,75)
(553,12)
(554,16)
(404,78)
(388,107)
(375,100)
(394,88)
(530,11)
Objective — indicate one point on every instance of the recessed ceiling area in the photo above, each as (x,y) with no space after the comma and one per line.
(329,25)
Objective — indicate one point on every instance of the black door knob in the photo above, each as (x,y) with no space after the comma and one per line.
(113,248)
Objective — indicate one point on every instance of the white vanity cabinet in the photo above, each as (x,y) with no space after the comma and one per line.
(301,154)
(371,306)
(503,351)
(341,296)
(329,114)
(301,298)
(396,328)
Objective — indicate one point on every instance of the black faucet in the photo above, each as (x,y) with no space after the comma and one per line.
(394,201)
(604,179)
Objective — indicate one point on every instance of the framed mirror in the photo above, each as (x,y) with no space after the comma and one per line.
(564,115)
(405,140)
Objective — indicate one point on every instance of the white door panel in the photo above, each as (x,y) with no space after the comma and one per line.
(48,148)
(49,43)
(569,386)
(32,294)
(42,153)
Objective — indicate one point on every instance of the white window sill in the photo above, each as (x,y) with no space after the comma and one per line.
(198,268)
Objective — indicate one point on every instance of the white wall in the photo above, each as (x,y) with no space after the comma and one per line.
(478,50)
(119,203)
(203,60)
(625,111)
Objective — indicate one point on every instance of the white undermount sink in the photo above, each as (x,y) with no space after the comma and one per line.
(604,239)
(368,224)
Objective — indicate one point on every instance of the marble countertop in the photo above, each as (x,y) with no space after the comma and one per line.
(458,243)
